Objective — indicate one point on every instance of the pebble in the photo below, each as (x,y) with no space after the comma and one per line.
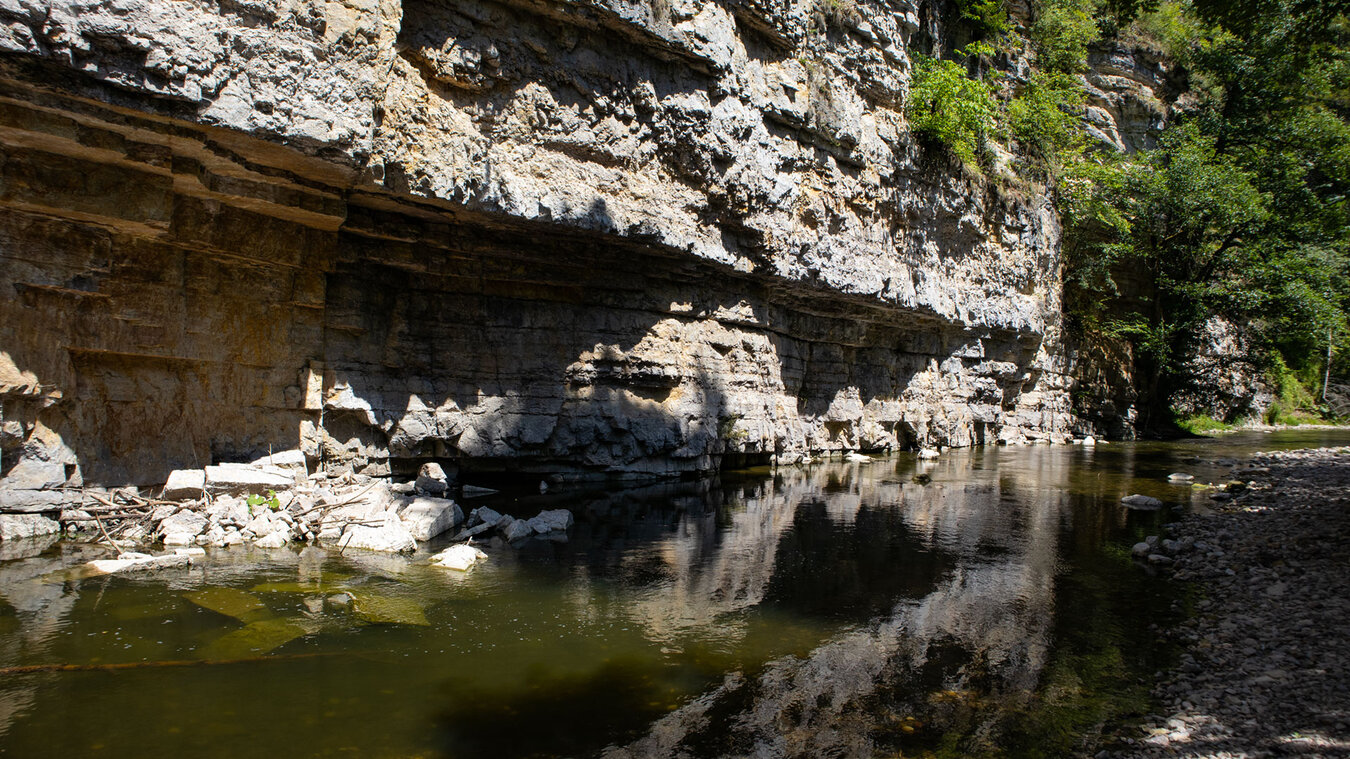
(1267,656)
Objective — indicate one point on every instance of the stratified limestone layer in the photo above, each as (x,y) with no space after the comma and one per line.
(552,237)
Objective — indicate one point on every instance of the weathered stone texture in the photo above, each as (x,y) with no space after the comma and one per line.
(598,237)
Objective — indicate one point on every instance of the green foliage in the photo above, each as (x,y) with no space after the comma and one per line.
(1062,32)
(988,17)
(948,106)
(1047,117)
(1294,402)
(271,501)
(1202,425)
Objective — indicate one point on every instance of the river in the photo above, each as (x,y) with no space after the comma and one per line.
(831,610)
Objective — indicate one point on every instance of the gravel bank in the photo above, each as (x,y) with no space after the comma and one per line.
(1267,665)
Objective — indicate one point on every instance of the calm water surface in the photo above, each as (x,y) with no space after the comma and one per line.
(836,610)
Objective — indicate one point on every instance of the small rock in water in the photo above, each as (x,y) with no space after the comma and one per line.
(543,486)
(857,458)
(1089,440)
(459,557)
(1138,501)
(551,521)
(928,453)
(340,600)
(922,478)
(517,529)
(1180,477)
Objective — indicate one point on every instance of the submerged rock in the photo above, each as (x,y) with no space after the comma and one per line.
(1141,502)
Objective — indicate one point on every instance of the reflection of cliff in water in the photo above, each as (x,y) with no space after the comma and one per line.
(950,588)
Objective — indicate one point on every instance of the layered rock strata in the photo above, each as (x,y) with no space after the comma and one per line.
(593,238)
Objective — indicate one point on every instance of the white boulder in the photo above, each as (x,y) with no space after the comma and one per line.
(459,557)
(18,526)
(427,517)
(185,485)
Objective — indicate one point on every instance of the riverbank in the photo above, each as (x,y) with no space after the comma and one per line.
(1266,668)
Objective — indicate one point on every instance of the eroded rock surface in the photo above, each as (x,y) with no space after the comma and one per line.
(589,238)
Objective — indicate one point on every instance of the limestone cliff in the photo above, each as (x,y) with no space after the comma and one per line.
(594,237)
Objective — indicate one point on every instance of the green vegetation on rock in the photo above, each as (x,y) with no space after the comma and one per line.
(1239,209)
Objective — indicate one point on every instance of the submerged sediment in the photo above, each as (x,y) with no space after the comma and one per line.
(1267,657)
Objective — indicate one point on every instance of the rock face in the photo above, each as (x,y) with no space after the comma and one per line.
(591,237)
(1231,386)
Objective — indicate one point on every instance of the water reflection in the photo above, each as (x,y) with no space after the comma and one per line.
(839,610)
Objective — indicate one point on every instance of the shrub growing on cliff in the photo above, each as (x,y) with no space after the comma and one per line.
(1048,118)
(950,107)
(1062,33)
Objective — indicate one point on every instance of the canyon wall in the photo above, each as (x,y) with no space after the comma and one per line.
(574,239)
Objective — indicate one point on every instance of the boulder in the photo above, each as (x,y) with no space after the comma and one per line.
(551,521)
(276,539)
(188,522)
(19,526)
(460,557)
(484,515)
(1141,502)
(138,561)
(1141,550)
(179,539)
(261,523)
(241,479)
(432,479)
(391,537)
(292,460)
(184,485)
(516,529)
(428,517)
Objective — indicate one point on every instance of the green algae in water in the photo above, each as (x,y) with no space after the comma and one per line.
(231,602)
(257,638)
(327,587)
(389,610)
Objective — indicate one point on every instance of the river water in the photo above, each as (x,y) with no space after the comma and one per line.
(833,610)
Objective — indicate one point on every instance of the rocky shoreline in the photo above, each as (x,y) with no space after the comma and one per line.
(275,502)
(1266,663)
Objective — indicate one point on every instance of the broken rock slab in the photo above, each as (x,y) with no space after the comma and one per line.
(20,526)
(556,520)
(516,529)
(293,461)
(427,517)
(244,479)
(127,562)
(391,537)
(431,479)
(185,485)
(459,557)
(185,522)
